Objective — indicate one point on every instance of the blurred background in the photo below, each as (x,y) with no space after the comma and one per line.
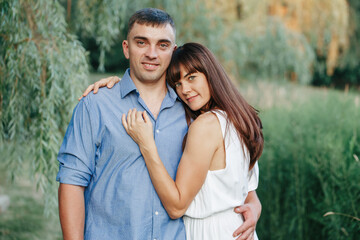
(297,61)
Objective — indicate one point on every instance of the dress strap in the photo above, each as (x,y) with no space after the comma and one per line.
(221,115)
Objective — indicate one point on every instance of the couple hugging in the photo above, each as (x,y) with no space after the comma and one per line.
(169,152)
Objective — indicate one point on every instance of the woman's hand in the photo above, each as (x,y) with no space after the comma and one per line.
(138,125)
(109,82)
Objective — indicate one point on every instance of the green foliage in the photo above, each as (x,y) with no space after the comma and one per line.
(102,21)
(42,67)
(101,26)
(348,71)
(275,53)
(310,167)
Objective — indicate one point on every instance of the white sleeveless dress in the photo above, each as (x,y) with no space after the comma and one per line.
(211,214)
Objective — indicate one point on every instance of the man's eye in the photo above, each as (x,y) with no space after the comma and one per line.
(164,45)
(140,43)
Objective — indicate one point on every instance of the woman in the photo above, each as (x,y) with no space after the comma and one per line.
(218,166)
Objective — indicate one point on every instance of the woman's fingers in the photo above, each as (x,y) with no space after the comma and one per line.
(109,82)
(133,117)
(128,119)
(145,117)
(114,80)
(97,85)
(87,91)
(139,117)
(124,122)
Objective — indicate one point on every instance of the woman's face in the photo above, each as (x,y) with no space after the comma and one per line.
(193,89)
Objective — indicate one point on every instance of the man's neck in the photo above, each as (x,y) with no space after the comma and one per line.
(153,94)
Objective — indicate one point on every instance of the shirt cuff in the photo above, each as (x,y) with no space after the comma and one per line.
(71,176)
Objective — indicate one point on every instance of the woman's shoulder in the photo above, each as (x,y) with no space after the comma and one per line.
(207,122)
(206,129)
(208,118)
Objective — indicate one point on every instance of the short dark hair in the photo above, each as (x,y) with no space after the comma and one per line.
(150,16)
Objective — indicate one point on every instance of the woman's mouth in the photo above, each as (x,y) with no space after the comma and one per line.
(192,98)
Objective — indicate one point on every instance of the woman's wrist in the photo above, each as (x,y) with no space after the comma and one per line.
(148,148)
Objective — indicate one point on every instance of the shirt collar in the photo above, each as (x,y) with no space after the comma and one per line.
(128,86)
(172,93)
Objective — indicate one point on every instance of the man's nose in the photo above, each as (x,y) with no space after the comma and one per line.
(152,52)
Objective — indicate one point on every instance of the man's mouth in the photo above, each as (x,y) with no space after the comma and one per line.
(150,66)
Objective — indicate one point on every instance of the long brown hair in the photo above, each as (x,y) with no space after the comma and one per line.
(194,57)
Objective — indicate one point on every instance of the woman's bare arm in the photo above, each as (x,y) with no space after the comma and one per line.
(201,145)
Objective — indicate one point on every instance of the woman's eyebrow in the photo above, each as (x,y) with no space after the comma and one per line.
(187,74)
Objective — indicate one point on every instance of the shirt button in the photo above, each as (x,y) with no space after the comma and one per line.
(157,130)
(156,213)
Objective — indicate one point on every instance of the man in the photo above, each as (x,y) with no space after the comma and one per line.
(105,190)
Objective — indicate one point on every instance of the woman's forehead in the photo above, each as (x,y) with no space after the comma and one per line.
(186,69)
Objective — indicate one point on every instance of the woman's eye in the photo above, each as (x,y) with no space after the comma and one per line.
(191,77)
(177,84)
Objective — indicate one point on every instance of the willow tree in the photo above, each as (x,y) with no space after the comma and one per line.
(106,22)
(349,65)
(41,69)
(325,24)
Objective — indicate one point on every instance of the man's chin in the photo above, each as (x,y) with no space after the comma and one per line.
(152,77)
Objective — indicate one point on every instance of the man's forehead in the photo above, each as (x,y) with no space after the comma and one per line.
(163,31)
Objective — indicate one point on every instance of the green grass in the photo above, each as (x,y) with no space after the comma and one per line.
(25,217)
(309,165)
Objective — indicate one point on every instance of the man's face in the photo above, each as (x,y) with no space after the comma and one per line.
(149,50)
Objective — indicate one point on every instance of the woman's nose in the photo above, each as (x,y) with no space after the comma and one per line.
(186,88)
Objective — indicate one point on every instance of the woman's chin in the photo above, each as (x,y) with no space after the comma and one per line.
(194,109)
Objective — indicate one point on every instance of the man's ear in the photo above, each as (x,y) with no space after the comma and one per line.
(175,47)
(125,46)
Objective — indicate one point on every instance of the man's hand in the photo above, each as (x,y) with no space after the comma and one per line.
(251,211)
(109,82)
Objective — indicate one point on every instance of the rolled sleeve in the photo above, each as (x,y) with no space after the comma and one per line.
(72,176)
(253,178)
(77,152)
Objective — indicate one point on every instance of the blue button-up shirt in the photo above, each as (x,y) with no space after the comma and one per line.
(97,153)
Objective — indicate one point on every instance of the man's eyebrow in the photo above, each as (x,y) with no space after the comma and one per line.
(146,39)
(165,41)
(139,37)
